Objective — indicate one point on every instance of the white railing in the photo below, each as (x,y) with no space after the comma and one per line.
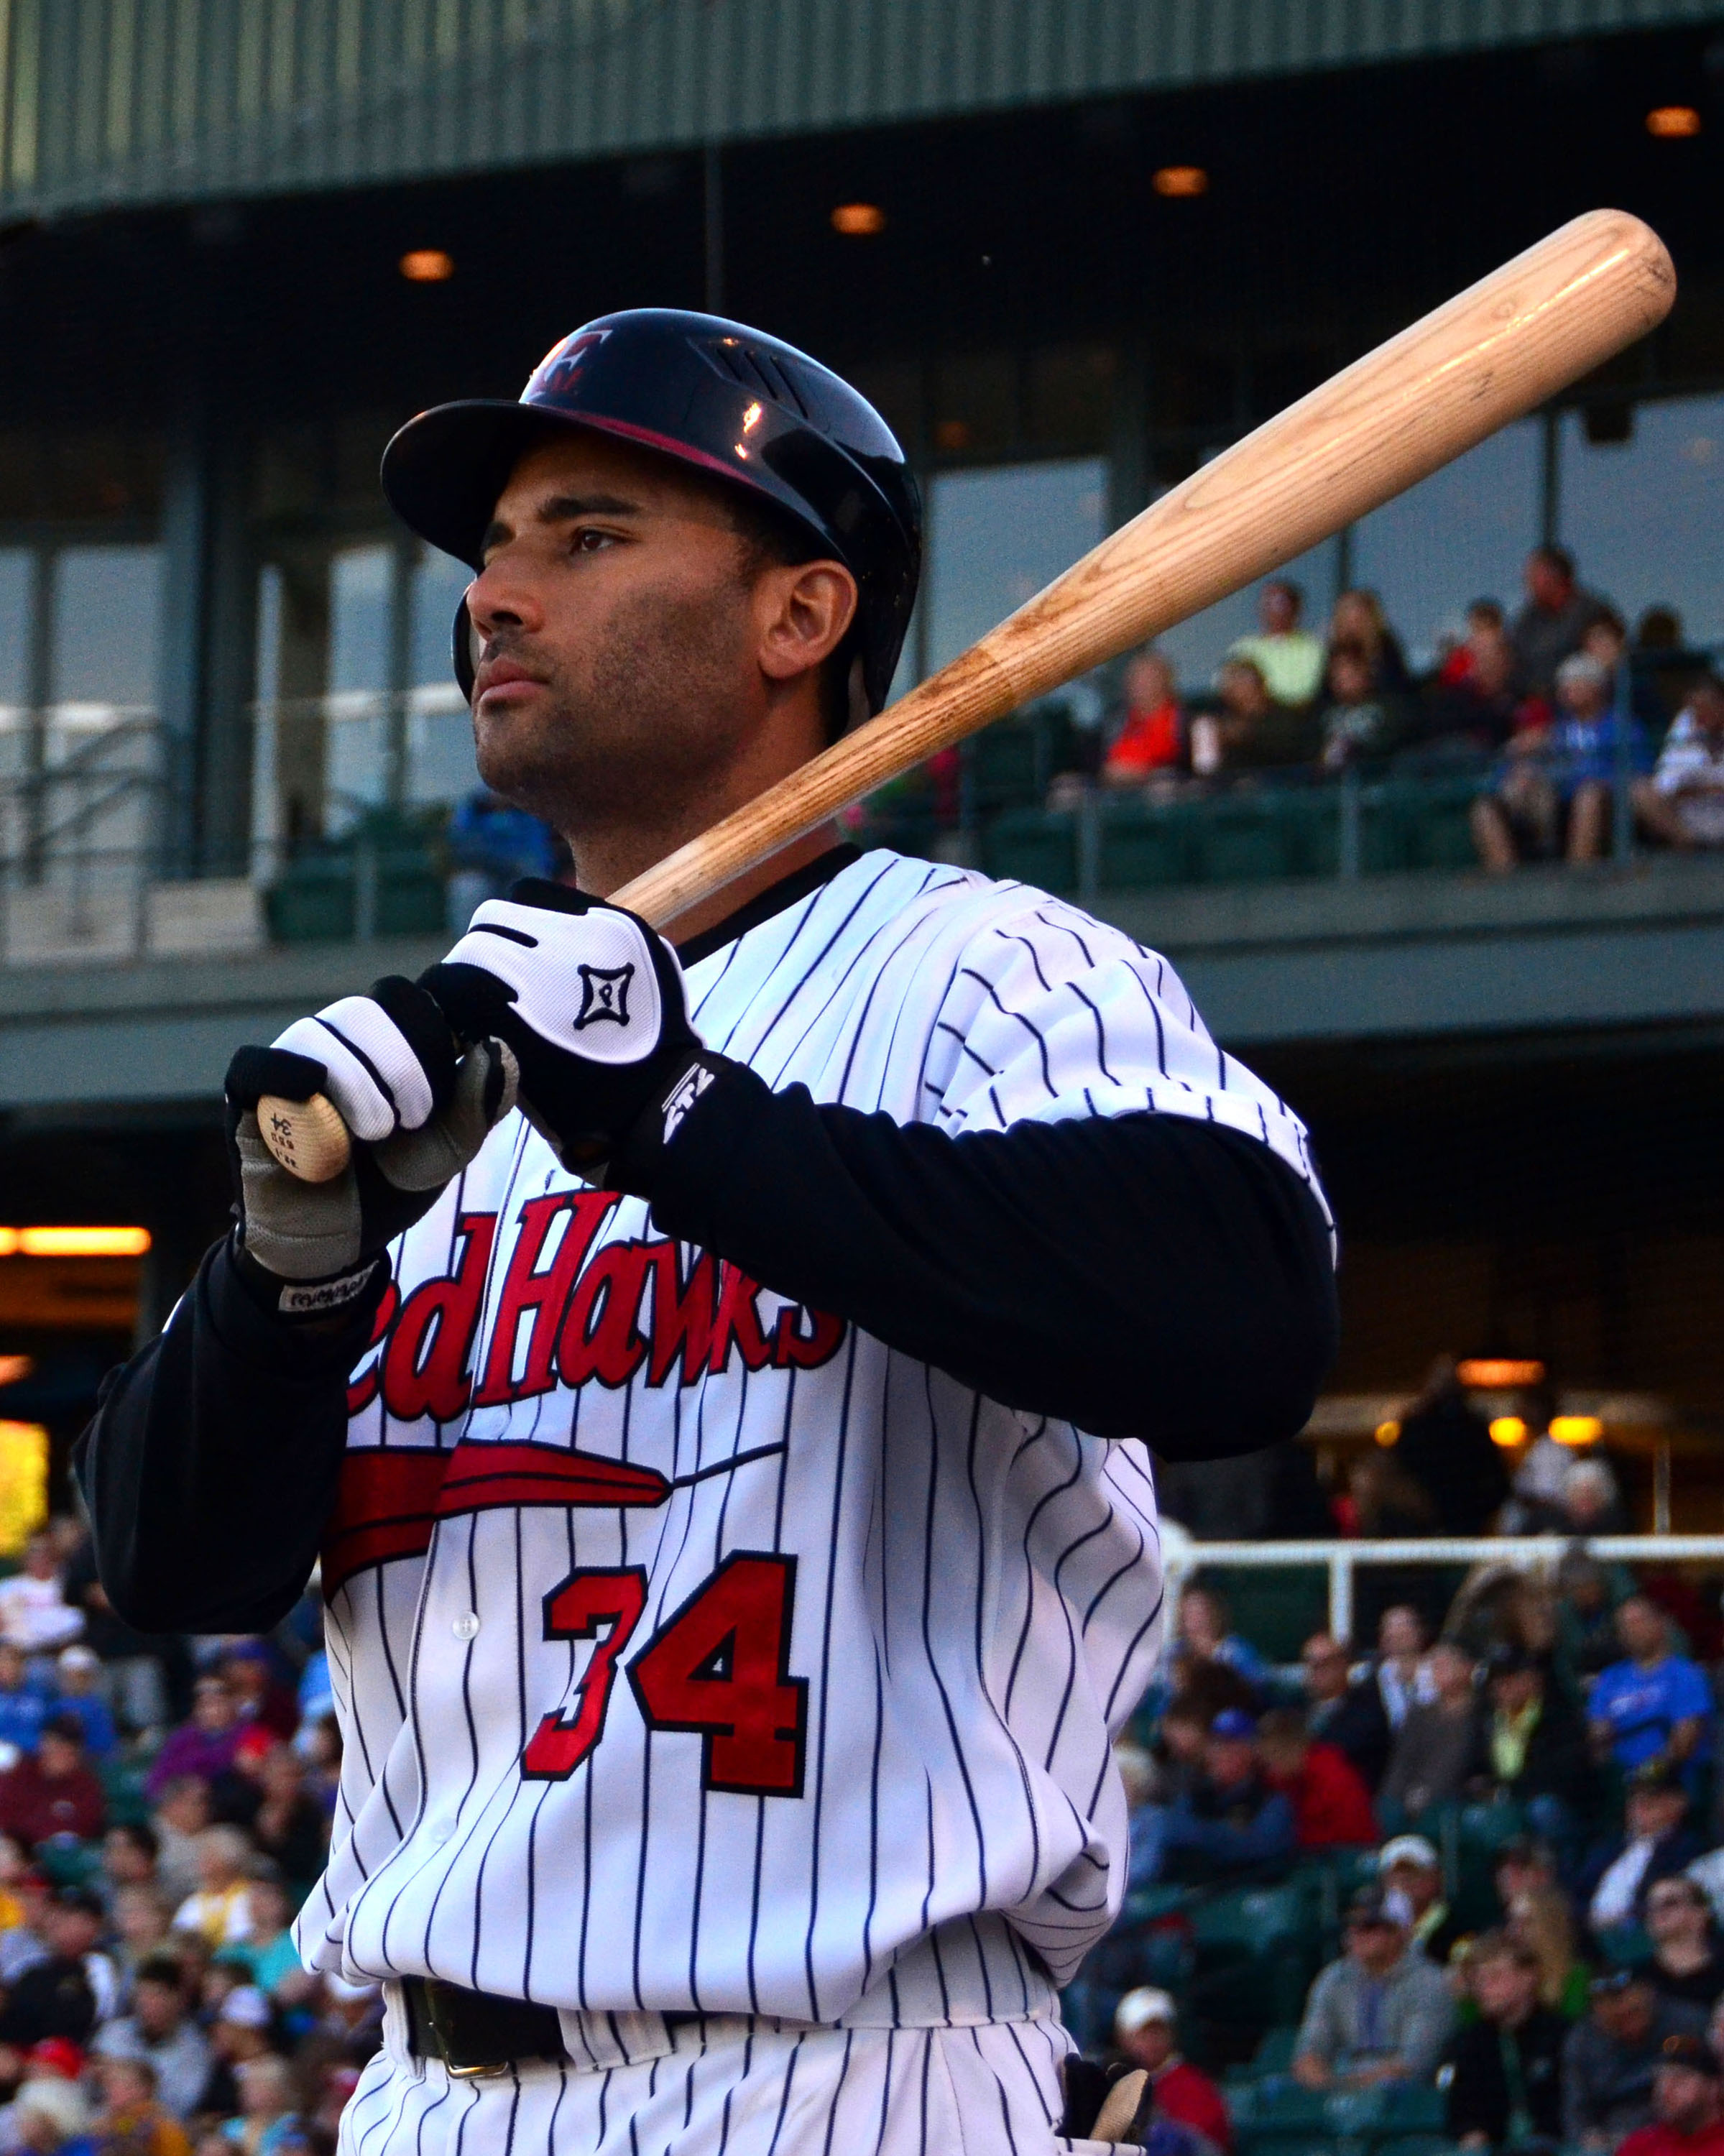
(1342,1559)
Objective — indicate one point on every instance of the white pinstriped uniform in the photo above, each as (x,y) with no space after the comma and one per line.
(897,1816)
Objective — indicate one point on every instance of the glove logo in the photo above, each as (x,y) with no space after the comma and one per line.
(604,994)
(682,1097)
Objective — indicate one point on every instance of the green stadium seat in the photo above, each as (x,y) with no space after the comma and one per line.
(1414,2144)
(1414,2107)
(1006,761)
(1144,846)
(1242,839)
(313,902)
(1246,1922)
(1036,846)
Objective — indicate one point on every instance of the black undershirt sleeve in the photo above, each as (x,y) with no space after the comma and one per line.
(1145,1276)
(210,1468)
(1142,1275)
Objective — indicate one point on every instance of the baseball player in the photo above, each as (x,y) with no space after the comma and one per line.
(721,1386)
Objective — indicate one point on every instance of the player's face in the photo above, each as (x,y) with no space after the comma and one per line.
(618,621)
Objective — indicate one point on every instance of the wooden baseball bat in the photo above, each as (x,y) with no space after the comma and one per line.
(1491,354)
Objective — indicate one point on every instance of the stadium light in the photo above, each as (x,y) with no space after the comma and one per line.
(1577,1429)
(858,220)
(1387,1433)
(427,265)
(1175,180)
(15,1369)
(1672,123)
(1497,1373)
(74,1242)
(1508,1431)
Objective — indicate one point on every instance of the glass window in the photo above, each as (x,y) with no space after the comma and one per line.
(360,581)
(438,582)
(1643,517)
(997,534)
(1462,534)
(107,615)
(17,565)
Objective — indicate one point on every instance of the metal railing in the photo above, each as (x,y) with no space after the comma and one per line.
(1342,1560)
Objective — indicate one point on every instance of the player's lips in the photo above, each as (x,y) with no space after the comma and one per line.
(504,680)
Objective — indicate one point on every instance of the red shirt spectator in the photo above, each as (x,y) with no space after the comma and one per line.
(259,1693)
(1153,735)
(1687,2104)
(54,1792)
(1331,1805)
(1145,2032)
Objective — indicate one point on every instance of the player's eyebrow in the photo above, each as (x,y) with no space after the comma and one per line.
(563,509)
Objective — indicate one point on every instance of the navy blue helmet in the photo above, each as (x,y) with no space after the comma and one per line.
(740,406)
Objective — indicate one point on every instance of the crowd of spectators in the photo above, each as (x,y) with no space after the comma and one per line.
(165,1809)
(1523,1821)
(1561,713)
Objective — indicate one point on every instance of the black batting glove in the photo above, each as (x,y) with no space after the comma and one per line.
(591,1001)
(417,1111)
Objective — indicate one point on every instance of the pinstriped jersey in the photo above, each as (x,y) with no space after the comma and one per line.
(693,1649)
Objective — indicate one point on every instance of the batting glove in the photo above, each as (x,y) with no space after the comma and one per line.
(416,1110)
(591,1001)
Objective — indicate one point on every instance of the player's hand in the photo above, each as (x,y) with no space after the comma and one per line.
(417,1109)
(591,1001)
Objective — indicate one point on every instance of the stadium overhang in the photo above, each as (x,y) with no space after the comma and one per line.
(105,103)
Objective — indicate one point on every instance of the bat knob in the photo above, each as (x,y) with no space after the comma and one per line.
(307,1137)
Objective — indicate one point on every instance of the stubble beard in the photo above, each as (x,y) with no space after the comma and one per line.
(636,737)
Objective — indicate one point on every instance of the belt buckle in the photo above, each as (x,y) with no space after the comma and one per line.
(486,2069)
(485,2073)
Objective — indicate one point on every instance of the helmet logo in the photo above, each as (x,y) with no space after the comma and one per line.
(555,373)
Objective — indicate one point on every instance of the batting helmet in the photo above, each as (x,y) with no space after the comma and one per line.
(716,395)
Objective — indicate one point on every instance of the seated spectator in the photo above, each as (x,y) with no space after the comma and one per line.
(54,1793)
(1254,732)
(220,1911)
(54,1996)
(182,1814)
(138,1666)
(77,1688)
(241,2030)
(1503,2072)
(1486,706)
(1682,804)
(128,1850)
(1587,1594)
(1534,1749)
(51,2117)
(34,1615)
(1403,1677)
(1656,1843)
(1151,741)
(75,1926)
(269,2109)
(1687,2103)
(1380,2014)
(270,1956)
(261,1697)
(1331,1806)
(1289,659)
(141,1920)
(24,1707)
(1437,1750)
(204,1745)
(289,1825)
(1555,618)
(1338,1711)
(1232,1825)
(1685,1962)
(1484,617)
(1445,1446)
(25,1943)
(1359,617)
(132,2121)
(1410,1873)
(1359,722)
(1654,1705)
(160,2028)
(1146,2030)
(1213,1667)
(1592,733)
(1538,1919)
(1609,2058)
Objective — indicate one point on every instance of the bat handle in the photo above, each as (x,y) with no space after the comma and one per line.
(307,1137)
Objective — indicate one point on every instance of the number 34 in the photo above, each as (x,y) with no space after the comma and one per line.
(719,1667)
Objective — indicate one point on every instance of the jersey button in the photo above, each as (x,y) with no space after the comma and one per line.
(466,1624)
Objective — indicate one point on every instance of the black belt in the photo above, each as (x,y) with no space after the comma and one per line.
(476,2033)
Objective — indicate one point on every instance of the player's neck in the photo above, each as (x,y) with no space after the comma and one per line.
(610,855)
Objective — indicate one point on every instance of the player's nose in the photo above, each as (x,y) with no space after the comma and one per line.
(502,596)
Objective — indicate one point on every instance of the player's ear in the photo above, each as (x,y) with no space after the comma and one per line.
(803,612)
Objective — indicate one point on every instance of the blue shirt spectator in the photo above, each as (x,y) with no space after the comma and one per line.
(1655,1705)
(24,1706)
(80,1674)
(1592,728)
